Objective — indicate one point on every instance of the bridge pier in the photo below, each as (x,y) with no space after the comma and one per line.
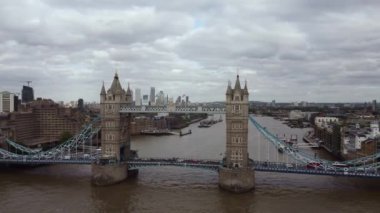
(237,180)
(108,174)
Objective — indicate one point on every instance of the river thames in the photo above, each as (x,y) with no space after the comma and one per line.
(67,188)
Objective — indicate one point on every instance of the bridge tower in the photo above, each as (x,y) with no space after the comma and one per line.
(115,141)
(237,175)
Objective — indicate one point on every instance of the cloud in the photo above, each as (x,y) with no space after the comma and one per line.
(289,51)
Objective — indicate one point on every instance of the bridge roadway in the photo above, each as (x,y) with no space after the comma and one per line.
(262,166)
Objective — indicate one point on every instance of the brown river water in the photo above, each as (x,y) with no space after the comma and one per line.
(67,188)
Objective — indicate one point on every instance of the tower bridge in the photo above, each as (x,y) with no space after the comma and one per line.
(112,163)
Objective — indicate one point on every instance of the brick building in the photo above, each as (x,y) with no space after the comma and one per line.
(43,123)
(144,123)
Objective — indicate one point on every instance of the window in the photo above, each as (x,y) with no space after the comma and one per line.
(237,140)
(237,98)
(236,108)
(237,125)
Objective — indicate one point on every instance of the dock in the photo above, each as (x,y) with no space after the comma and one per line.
(310,142)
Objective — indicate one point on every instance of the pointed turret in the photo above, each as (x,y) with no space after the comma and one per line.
(237,83)
(128,95)
(103,91)
(245,90)
(229,89)
(129,92)
(116,86)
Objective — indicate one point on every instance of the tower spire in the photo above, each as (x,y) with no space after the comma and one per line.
(229,89)
(103,91)
(129,92)
(237,83)
(245,90)
(116,86)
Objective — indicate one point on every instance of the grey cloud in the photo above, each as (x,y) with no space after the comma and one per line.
(287,50)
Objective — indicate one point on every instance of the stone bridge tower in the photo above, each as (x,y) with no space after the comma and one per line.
(236,175)
(115,141)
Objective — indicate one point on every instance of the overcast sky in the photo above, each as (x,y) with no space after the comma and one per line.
(324,51)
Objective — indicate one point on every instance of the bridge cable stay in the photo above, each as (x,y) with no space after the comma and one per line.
(22,148)
(306,158)
(56,152)
(276,141)
(28,150)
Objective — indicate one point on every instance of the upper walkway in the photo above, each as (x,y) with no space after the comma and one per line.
(220,109)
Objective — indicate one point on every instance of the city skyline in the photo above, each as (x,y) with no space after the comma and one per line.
(318,51)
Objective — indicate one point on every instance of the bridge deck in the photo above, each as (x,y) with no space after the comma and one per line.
(209,165)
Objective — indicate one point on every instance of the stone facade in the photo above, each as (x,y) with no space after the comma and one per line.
(237,180)
(115,141)
(103,175)
(236,175)
(115,138)
(237,126)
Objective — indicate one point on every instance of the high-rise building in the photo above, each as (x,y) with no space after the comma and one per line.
(7,102)
(27,94)
(166,100)
(80,104)
(178,101)
(273,103)
(187,100)
(145,100)
(152,99)
(15,103)
(374,106)
(160,98)
(138,97)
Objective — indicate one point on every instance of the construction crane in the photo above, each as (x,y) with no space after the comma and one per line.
(28,82)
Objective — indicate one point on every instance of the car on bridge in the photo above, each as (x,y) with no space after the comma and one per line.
(289,165)
(339,164)
(314,165)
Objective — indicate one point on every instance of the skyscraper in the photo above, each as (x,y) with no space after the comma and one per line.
(7,103)
(138,97)
(166,100)
(374,106)
(145,100)
(178,101)
(152,99)
(27,94)
(80,104)
(160,98)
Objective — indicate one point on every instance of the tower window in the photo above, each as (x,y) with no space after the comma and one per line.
(237,98)
(236,108)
